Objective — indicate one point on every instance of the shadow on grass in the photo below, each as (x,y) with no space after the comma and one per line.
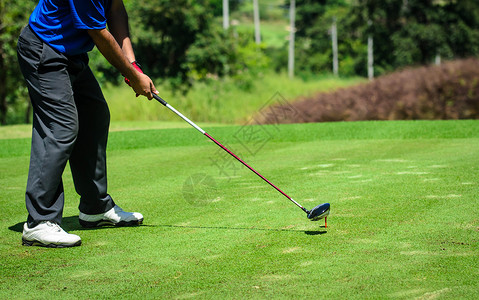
(71,223)
(308,232)
(68,224)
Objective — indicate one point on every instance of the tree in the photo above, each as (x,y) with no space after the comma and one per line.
(13,99)
(313,44)
(182,41)
(415,31)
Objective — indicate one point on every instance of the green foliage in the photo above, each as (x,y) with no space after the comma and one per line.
(415,31)
(224,100)
(269,10)
(404,33)
(219,53)
(181,42)
(164,31)
(13,16)
(216,6)
(313,42)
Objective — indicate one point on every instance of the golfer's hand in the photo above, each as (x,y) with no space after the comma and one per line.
(142,85)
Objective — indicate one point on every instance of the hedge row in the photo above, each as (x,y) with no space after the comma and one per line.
(447,91)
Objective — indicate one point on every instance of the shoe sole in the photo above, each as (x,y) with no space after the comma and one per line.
(100,223)
(40,244)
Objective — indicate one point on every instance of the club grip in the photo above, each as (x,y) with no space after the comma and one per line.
(159,99)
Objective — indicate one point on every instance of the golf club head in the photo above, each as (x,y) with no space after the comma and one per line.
(319,212)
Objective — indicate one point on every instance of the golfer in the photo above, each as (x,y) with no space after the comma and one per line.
(70,115)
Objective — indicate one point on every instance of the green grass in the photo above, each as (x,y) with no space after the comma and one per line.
(404,216)
(273,34)
(25,130)
(224,101)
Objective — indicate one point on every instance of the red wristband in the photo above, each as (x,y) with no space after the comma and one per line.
(137,67)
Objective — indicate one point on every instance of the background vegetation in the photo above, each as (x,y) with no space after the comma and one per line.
(181,43)
(448,91)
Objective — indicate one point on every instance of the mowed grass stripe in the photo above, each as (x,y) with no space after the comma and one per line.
(135,139)
(403,222)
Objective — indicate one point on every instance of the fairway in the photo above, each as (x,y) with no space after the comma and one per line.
(404,219)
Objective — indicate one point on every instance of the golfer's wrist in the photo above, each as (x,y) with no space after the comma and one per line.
(130,71)
(137,66)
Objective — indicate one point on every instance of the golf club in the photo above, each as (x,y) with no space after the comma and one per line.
(317,213)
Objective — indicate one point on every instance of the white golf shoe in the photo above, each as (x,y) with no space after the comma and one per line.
(115,216)
(49,234)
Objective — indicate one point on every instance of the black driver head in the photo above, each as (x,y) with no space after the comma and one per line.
(319,212)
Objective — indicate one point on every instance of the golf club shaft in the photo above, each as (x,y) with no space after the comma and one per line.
(159,99)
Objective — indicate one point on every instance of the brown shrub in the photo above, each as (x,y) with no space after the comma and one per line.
(448,91)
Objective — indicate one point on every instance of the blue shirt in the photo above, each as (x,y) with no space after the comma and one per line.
(62,23)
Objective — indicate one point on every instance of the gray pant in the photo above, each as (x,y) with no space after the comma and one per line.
(70,123)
